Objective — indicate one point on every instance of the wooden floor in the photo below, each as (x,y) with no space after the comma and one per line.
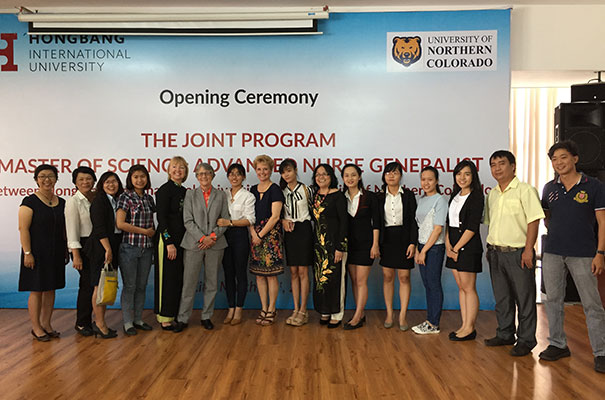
(282,362)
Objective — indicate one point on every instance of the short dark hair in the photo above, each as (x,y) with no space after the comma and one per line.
(43,167)
(435,172)
(132,170)
(286,164)
(475,183)
(330,171)
(237,166)
(83,170)
(342,174)
(568,145)
(503,154)
(104,177)
(392,166)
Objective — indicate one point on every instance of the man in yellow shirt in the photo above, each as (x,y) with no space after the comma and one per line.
(513,212)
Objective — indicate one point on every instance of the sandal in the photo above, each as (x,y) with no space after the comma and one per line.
(269,318)
(261,317)
(291,318)
(301,319)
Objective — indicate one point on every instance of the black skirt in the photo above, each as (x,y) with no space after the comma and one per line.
(467,262)
(359,257)
(299,245)
(392,249)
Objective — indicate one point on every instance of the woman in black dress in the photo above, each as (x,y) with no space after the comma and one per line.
(298,238)
(43,250)
(364,236)
(330,244)
(463,245)
(398,238)
(104,243)
(168,270)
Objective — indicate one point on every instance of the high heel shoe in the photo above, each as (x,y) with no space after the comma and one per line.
(269,318)
(43,338)
(98,332)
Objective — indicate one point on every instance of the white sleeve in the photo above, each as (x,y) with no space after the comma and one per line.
(248,211)
(72,224)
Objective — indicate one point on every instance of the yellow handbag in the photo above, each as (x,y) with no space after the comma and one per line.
(108,286)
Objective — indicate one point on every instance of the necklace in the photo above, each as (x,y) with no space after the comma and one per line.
(50,201)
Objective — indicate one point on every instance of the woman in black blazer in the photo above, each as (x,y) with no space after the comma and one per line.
(104,242)
(398,238)
(463,244)
(364,233)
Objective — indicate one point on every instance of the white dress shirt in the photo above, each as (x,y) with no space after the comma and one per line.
(297,204)
(353,204)
(241,206)
(455,207)
(393,209)
(77,219)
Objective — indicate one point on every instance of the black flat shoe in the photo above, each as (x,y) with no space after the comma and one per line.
(452,335)
(332,326)
(179,327)
(143,327)
(130,331)
(168,327)
(43,338)
(324,321)
(207,324)
(83,330)
(98,332)
(470,336)
(53,334)
(349,327)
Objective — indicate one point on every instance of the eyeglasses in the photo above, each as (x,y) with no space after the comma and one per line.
(394,172)
(204,174)
(235,175)
(45,177)
(323,174)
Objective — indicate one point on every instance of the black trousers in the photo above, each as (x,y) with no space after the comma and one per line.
(84,303)
(235,265)
(168,283)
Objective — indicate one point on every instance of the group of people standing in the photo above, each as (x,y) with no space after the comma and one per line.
(322,228)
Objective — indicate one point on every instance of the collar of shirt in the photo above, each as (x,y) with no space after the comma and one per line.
(512,185)
(81,196)
(583,179)
(400,191)
(354,197)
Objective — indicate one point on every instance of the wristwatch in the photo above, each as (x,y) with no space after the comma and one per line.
(601,252)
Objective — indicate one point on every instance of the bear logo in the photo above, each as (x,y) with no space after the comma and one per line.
(406,50)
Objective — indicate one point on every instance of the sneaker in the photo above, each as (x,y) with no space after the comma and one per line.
(498,341)
(425,329)
(599,364)
(553,353)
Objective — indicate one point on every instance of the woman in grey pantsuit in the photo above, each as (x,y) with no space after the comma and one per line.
(204,243)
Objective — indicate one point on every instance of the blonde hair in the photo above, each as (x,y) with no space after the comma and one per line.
(264,159)
(183,162)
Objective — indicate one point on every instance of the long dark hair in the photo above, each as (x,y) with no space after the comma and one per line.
(475,184)
(392,166)
(330,172)
(103,178)
(136,168)
(342,174)
(283,166)
(435,172)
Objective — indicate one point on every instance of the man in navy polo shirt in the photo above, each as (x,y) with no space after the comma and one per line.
(574,205)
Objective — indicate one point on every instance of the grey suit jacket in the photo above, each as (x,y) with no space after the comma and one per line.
(201,220)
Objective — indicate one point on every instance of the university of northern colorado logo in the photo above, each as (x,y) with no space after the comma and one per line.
(8,52)
(406,50)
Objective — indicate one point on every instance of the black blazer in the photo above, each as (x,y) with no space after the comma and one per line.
(103,226)
(366,219)
(470,218)
(409,217)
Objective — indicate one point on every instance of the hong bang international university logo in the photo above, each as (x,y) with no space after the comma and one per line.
(8,65)
(442,51)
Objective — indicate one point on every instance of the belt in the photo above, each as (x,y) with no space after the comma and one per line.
(504,249)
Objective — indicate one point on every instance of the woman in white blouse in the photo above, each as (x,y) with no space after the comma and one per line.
(298,238)
(79,227)
(235,259)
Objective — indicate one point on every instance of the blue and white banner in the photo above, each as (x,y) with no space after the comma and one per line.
(441,94)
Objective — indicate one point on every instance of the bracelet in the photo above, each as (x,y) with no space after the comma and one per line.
(601,252)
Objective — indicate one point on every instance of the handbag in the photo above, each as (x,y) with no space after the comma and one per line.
(108,285)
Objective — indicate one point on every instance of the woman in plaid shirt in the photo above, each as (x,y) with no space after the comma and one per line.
(135,218)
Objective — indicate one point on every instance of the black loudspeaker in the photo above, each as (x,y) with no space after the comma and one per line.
(584,123)
(588,92)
